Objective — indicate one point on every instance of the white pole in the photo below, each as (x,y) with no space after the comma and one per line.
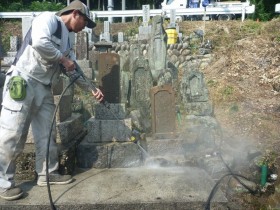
(123,8)
(110,8)
(243,14)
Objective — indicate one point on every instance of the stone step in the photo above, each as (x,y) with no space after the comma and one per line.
(172,188)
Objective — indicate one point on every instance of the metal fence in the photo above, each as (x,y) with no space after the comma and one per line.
(139,13)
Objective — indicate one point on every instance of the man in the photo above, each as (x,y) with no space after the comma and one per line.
(27,99)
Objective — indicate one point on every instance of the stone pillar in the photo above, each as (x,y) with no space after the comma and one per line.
(81,47)
(158,48)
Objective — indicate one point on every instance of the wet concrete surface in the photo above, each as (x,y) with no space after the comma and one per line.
(125,188)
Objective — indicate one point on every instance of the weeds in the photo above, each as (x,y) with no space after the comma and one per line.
(212,83)
(227,91)
(251,27)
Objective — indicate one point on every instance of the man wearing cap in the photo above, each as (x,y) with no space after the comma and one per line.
(38,66)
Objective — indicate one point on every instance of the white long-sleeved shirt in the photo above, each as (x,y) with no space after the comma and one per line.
(41,59)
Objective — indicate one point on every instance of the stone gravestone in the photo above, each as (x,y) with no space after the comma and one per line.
(120,37)
(109,76)
(134,52)
(14,47)
(158,47)
(163,112)
(195,95)
(125,75)
(81,46)
(107,31)
(82,54)
(144,32)
(14,43)
(146,14)
(145,29)
(141,83)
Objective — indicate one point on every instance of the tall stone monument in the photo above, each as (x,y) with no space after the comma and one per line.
(158,47)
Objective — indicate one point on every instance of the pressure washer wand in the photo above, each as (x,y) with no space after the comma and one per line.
(91,85)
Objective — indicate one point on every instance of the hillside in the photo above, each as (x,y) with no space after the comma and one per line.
(244,86)
(243,81)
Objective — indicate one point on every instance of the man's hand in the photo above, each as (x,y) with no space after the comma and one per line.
(98,95)
(68,64)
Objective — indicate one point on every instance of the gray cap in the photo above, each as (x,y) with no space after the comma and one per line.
(80,6)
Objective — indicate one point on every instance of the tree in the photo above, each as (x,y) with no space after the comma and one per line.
(265,10)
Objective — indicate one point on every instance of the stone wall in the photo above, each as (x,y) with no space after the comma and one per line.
(187,51)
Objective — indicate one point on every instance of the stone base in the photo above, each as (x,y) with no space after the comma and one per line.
(165,146)
(110,155)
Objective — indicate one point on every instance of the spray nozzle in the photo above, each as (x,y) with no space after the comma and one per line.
(135,135)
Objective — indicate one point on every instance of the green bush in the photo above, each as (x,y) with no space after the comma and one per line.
(45,6)
(15,7)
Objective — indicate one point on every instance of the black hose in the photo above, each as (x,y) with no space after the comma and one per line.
(214,189)
(49,140)
(253,192)
(236,176)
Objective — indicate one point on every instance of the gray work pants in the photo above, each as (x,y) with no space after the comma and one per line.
(16,116)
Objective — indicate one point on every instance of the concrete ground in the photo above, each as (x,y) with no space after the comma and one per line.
(123,189)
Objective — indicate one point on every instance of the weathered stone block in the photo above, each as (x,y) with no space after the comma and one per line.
(81,46)
(84,63)
(200,108)
(88,73)
(112,155)
(11,54)
(108,130)
(64,110)
(115,112)
(86,67)
(166,146)
(109,76)
(63,82)
(69,129)
(7,61)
